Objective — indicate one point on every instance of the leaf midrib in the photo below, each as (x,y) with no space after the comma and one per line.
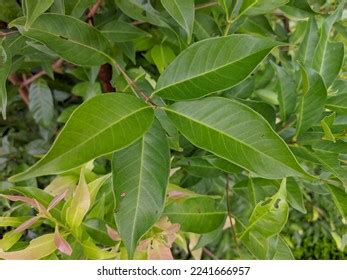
(207,72)
(235,139)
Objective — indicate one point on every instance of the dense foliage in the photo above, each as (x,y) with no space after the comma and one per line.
(173,129)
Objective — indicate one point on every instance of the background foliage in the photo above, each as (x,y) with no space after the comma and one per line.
(173,129)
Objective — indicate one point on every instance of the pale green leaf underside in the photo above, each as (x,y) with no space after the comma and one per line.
(100,126)
(236,133)
(72,39)
(196,214)
(140,177)
(226,62)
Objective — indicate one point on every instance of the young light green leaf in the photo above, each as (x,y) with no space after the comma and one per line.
(228,61)
(268,218)
(93,252)
(41,103)
(287,89)
(120,31)
(140,177)
(327,124)
(183,12)
(33,9)
(328,56)
(162,56)
(9,239)
(38,248)
(312,101)
(79,205)
(72,39)
(196,214)
(100,126)
(227,128)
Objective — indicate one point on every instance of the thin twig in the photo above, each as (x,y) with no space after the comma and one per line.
(209,253)
(230,216)
(134,86)
(206,5)
(8,33)
(94,9)
(38,75)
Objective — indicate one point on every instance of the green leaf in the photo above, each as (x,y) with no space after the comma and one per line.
(196,214)
(140,10)
(79,205)
(12,221)
(120,31)
(72,39)
(33,9)
(162,56)
(327,124)
(340,198)
(328,56)
(309,43)
(287,89)
(5,67)
(338,103)
(210,125)
(93,252)
(9,239)
(77,8)
(140,176)
(298,9)
(312,101)
(295,196)
(41,103)
(183,12)
(265,6)
(100,126)
(267,220)
(227,62)
(10,9)
(38,248)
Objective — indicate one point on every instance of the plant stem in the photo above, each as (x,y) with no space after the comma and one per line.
(230,216)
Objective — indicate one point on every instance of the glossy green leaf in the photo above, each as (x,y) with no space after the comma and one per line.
(210,125)
(72,39)
(162,56)
(38,248)
(140,10)
(340,198)
(41,103)
(265,6)
(328,56)
(228,61)
(327,124)
(5,67)
(287,92)
(312,101)
(120,31)
(94,129)
(295,196)
(140,177)
(196,214)
(183,12)
(77,8)
(268,219)
(309,43)
(338,103)
(33,9)
(79,204)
